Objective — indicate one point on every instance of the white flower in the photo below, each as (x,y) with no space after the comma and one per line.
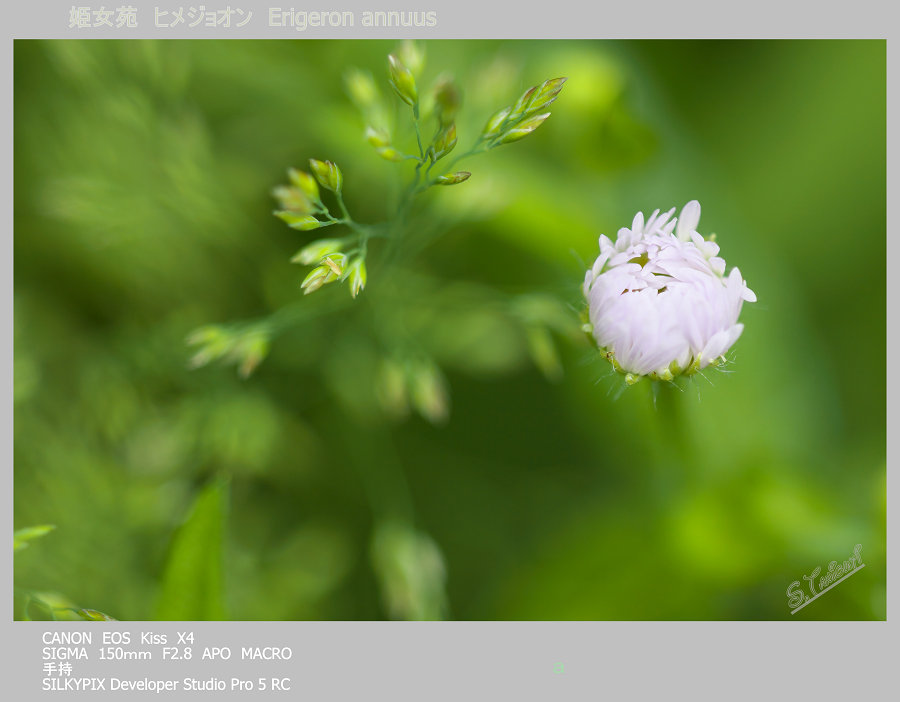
(659,301)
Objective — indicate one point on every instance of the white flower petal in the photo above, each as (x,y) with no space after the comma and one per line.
(637,224)
(588,280)
(599,263)
(688,220)
(675,304)
(719,344)
(660,222)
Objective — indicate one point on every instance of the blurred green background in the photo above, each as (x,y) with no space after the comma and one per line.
(143,173)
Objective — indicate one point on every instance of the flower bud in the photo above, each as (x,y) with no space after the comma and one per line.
(446,98)
(391,388)
(305,224)
(292,217)
(316,278)
(292,200)
(402,81)
(492,128)
(453,178)
(356,276)
(214,342)
(377,137)
(316,251)
(658,307)
(545,94)
(328,175)
(521,130)
(429,393)
(336,262)
(411,572)
(389,153)
(361,88)
(412,56)
(251,351)
(305,182)
(537,98)
(521,106)
(445,143)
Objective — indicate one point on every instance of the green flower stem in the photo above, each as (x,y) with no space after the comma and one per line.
(406,200)
(373,455)
(340,201)
(673,426)
(416,187)
(284,318)
(364,231)
(418,132)
(476,149)
(428,171)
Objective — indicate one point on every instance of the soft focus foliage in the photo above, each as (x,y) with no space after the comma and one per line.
(471,460)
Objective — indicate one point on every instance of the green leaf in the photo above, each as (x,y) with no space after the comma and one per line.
(192,580)
(46,605)
(543,352)
(92,615)
(23,536)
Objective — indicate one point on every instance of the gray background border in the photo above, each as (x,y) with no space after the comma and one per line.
(481,660)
